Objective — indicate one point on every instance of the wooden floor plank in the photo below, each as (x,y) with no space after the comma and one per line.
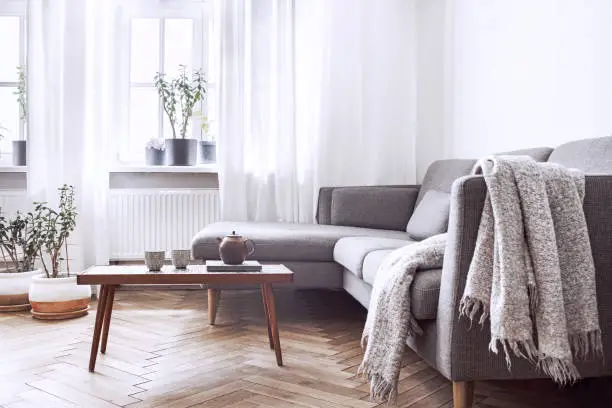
(163,353)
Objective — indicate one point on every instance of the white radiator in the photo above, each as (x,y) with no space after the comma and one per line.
(154,219)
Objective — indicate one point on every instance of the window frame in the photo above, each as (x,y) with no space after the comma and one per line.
(201,13)
(15,8)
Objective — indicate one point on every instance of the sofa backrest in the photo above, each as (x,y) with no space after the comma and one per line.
(539,154)
(593,156)
(441,174)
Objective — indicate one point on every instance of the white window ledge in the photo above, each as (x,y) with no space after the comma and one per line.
(5,168)
(201,168)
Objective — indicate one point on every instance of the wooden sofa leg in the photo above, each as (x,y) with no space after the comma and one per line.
(463,394)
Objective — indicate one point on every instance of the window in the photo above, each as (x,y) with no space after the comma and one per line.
(176,33)
(12,50)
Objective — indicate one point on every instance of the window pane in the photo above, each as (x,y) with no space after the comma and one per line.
(9,118)
(178,45)
(144,119)
(9,48)
(144,49)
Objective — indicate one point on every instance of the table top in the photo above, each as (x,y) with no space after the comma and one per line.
(169,275)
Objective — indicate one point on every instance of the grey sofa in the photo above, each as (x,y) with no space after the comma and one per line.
(358,226)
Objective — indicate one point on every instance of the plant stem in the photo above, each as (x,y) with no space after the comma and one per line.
(67,263)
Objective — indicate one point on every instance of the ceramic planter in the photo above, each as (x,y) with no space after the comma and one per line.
(181,152)
(58,298)
(155,157)
(14,289)
(20,152)
(208,151)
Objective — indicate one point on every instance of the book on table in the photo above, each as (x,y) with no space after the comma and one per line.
(246,266)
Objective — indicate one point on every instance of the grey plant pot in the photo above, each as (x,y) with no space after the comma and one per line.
(20,152)
(154,157)
(208,151)
(181,152)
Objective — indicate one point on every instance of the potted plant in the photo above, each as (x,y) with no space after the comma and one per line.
(55,294)
(20,242)
(155,152)
(20,146)
(179,96)
(208,145)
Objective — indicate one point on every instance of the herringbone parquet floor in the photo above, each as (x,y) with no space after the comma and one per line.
(162,353)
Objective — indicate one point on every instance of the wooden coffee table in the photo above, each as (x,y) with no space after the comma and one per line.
(111,277)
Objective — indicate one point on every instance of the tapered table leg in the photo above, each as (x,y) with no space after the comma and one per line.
(98,327)
(273,323)
(108,310)
(267,313)
(214,295)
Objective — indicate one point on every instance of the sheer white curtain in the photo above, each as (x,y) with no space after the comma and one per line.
(528,73)
(312,93)
(70,60)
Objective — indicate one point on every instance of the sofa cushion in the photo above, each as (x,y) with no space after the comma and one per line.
(283,241)
(593,156)
(430,217)
(539,154)
(425,290)
(351,251)
(353,206)
(441,174)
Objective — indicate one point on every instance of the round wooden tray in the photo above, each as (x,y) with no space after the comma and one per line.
(15,308)
(60,316)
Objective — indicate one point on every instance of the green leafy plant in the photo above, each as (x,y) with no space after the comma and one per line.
(21,93)
(179,96)
(55,227)
(20,241)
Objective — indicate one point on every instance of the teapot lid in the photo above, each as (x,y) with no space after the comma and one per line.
(234,235)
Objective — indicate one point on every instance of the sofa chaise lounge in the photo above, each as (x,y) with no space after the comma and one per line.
(358,226)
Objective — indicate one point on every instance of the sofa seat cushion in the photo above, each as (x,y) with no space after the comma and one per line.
(351,251)
(276,241)
(425,290)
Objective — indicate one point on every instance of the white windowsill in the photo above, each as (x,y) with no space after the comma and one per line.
(200,168)
(6,168)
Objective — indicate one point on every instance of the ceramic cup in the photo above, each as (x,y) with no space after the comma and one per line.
(181,258)
(154,260)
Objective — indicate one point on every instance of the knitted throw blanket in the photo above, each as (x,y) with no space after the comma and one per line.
(532,273)
(390,320)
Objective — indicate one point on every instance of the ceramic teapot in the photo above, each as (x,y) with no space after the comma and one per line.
(234,249)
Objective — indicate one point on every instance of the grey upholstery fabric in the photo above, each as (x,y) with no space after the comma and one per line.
(351,251)
(373,207)
(425,287)
(323,215)
(430,217)
(593,156)
(424,294)
(539,154)
(283,241)
(441,174)
(462,353)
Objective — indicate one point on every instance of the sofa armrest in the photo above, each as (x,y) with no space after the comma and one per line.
(463,351)
(385,207)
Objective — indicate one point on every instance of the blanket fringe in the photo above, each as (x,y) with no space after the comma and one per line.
(470,307)
(561,371)
(521,348)
(586,345)
(381,390)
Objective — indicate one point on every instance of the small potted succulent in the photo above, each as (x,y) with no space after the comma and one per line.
(155,152)
(208,144)
(55,294)
(20,242)
(20,146)
(179,97)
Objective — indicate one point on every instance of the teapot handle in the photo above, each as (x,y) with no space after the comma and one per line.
(250,245)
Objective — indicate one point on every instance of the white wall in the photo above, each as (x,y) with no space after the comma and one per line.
(499,75)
